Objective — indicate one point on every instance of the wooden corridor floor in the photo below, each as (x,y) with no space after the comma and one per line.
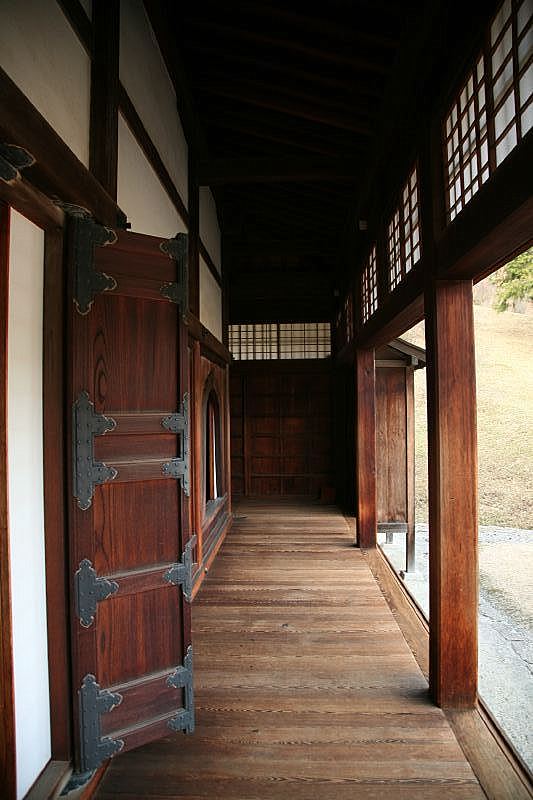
(305,686)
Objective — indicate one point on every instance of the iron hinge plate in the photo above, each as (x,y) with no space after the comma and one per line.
(87,472)
(12,160)
(182,678)
(90,590)
(94,702)
(178,291)
(180,574)
(86,235)
(178,468)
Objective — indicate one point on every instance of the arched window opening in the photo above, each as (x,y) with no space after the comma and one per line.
(212,454)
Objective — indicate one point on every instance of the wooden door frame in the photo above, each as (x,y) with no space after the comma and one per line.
(43,213)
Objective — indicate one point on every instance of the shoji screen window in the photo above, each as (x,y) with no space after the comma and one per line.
(511,60)
(466,142)
(369,287)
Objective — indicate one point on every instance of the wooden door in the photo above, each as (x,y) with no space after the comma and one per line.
(130,549)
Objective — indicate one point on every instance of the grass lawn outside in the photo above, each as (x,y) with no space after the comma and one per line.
(504,375)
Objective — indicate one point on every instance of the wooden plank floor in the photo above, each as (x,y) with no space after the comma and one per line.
(305,686)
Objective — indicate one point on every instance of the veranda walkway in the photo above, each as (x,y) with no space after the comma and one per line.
(305,686)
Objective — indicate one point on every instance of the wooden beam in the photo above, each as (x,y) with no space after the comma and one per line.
(32,204)
(271,170)
(103,138)
(303,110)
(7,694)
(80,22)
(210,263)
(57,172)
(324,26)
(194,238)
(495,225)
(453,523)
(334,55)
(287,90)
(354,85)
(410,545)
(365,444)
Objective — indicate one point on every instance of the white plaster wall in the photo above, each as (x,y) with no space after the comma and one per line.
(147,82)
(209,228)
(140,194)
(41,53)
(26,505)
(210,301)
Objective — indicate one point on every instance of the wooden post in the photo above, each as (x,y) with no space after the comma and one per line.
(365,404)
(453,524)
(194,239)
(104,94)
(410,544)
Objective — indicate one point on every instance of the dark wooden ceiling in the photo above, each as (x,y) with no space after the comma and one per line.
(292,99)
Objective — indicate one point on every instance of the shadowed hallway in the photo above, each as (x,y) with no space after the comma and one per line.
(304,683)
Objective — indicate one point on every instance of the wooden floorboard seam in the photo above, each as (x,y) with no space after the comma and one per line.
(305,686)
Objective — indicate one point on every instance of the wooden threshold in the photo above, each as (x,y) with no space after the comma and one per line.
(305,686)
(499,770)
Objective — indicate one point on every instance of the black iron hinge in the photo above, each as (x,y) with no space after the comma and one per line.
(177,291)
(87,473)
(85,235)
(94,702)
(89,591)
(180,574)
(179,423)
(12,160)
(182,678)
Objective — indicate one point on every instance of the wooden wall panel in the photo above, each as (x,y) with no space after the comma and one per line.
(281,421)
(211,521)
(391,473)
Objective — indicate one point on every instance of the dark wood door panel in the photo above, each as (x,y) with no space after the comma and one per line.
(129,535)
(147,378)
(146,621)
(287,424)
(135,525)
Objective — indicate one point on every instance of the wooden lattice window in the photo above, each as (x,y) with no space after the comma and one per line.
(348,317)
(252,342)
(404,233)
(466,142)
(494,107)
(369,286)
(285,340)
(511,65)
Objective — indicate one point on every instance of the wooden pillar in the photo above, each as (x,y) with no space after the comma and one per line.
(194,239)
(365,404)
(453,524)
(410,544)
(103,156)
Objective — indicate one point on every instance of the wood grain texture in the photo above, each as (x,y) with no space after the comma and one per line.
(57,172)
(103,136)
(305,686)
(453,524)
(282,428)
(130,353)
(365,445)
